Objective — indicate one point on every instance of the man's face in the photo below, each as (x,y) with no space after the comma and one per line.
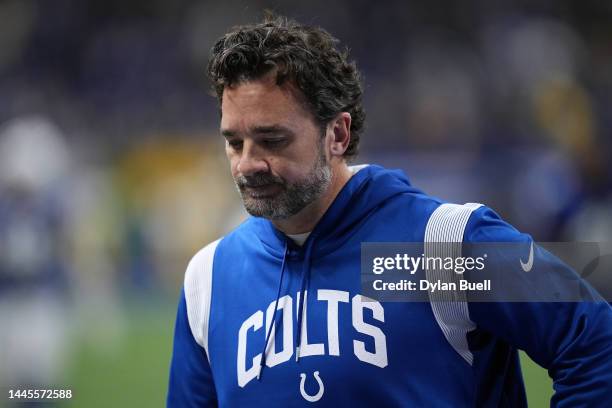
(275,148)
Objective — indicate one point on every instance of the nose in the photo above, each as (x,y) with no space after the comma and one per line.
(251,161)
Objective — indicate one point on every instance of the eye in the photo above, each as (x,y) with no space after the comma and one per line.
(274,143)
(235,144)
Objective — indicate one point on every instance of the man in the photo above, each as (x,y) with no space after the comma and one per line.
(291,116)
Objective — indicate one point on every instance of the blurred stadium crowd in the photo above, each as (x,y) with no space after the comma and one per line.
(112,172)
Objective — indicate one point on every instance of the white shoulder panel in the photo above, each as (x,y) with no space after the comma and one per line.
(198,289)
(443,238)
(354,169)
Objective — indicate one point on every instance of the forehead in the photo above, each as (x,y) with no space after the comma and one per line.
(262,101)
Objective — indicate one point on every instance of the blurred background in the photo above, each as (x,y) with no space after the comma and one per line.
(112,172)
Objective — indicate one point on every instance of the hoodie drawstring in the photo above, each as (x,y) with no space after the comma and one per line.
(262,364)
(303,296)
(301,305)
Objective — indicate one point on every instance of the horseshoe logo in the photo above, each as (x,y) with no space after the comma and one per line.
(318,395)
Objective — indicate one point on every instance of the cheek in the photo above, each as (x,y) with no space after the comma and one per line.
(232,158)
(291,171)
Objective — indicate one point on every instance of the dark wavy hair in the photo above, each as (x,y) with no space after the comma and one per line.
(307,56)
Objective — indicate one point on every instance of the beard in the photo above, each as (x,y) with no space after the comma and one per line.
(292,197)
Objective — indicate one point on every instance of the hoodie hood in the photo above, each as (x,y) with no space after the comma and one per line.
(364,192)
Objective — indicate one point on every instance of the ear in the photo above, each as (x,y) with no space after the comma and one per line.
(340,129)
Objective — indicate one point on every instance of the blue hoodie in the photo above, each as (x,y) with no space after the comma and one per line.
(357,352)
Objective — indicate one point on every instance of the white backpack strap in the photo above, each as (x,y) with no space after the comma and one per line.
(198,290)
(443,238)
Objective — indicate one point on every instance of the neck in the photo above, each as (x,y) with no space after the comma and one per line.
(307,219)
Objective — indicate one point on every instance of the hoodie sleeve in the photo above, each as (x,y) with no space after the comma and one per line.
(572,340)
(191,383)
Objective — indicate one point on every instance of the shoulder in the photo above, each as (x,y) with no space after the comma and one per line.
(198,281)
(485,225)
(448,221)
(200,264)
(198,290)
(470,222)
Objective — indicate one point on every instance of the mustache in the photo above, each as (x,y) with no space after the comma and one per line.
(258,180)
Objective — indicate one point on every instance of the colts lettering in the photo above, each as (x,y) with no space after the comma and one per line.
(247,370)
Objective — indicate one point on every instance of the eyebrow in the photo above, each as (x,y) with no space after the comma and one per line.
(259,130)
(265,130)
(227,133)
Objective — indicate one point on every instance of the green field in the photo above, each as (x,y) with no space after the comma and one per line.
(136,376)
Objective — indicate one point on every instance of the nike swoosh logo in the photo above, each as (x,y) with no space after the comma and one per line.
(529,264)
